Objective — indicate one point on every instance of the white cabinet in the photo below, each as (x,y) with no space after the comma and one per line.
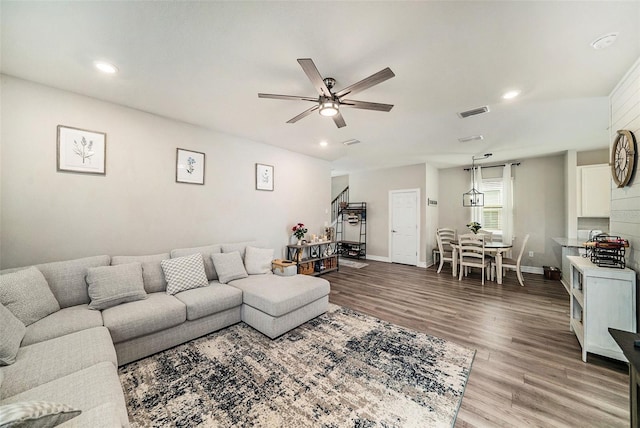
(601,298)
(594,190)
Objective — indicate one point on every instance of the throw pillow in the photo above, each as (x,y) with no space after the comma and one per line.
(229,266)
(27,295)
(184,273)
(152,274)
(206,252)
(112,285)
(257,261)
(11,333)
(36,413)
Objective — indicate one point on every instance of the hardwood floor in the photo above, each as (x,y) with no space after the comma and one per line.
(527,370)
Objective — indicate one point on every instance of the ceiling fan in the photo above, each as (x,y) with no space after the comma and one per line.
(328,103)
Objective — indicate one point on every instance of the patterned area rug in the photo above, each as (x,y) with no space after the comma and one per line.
(352,264)
(340,369)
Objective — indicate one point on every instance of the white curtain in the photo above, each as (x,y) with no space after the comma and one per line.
(476,177)
(507,205)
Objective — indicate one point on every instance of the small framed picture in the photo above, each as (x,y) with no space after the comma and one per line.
(81,151)
(189,167)
(264,177)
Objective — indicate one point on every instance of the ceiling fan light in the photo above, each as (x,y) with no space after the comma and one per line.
(329,108)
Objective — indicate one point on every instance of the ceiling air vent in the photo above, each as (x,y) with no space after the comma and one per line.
(351,142)
(473,112)
(471,138)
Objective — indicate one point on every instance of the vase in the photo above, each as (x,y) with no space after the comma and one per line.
(299,241)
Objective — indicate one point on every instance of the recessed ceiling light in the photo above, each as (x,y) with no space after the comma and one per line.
(324,143)
(106,67)
(510,95)
(605,41)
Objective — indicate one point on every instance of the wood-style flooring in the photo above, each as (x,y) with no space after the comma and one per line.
(527,370)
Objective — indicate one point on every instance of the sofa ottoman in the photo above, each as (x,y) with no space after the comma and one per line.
(276,304)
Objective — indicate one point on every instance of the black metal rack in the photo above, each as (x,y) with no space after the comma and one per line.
(607,251)
(354,214)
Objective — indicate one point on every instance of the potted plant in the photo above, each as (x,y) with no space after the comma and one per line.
(298,231)
(474,226)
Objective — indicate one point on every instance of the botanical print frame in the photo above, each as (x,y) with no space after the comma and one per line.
(80,150)
(189,166)
(264,177)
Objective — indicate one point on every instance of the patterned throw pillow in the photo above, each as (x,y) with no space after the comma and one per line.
(257,261)
(184,273)
(11,334)
(229,266)
(36,413)
(27,295)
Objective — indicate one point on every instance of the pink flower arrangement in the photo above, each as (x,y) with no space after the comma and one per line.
(299,230)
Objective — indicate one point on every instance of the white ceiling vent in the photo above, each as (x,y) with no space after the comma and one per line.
(473,112)
(471,138)
(351,142)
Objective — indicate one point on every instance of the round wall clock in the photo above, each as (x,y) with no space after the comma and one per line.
(623,157)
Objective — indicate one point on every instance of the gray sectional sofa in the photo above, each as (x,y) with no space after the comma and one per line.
(109,311)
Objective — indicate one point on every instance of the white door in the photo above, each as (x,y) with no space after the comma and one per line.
(404,218)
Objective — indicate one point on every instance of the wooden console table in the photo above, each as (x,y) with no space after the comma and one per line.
(315,258)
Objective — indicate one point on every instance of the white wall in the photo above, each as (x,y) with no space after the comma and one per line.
(338,184)
(137,207)
(373,188)
(625,202)
(539,205)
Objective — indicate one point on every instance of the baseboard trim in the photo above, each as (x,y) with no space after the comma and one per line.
(378,258)
(532,269)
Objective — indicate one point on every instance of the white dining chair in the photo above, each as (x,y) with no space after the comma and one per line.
(471,254)
(508,263)
(444,236)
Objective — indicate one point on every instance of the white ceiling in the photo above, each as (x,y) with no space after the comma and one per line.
(205,62)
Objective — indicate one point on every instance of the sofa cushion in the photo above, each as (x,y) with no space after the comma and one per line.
(112,285)
(43,362)
(102,416)
(278,295)
(39,414)
(67,279)
(27,295)
(65,321)
(257,261)
(229,266)
(11,333)
(209,300)
(152,273)
(158,312)
(240,247)
(206,252)
(184,273)
(84,389)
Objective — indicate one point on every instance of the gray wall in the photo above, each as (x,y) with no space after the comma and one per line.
(625,202)
(338,184)
(137,207)
(539,205)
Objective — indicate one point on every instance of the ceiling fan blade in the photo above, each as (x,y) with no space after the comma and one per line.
(303,114)
(366,105)
(288,97)
(370,81)
(339,120)
(313,74)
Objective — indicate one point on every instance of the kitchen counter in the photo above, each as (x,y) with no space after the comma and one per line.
(569,242)
(570,247)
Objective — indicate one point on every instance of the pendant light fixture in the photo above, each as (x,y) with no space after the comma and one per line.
(474,198)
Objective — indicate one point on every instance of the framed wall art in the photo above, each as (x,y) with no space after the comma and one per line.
(189,167)
(81,151)
(264,177)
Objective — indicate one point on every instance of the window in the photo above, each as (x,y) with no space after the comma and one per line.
(492,212)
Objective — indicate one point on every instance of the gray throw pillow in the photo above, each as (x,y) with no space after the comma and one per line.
(184,273)
(112,285)
(229,266)
(11,333)
(257,261)
(27,295)
(206,252)
(36,414)
(152,274)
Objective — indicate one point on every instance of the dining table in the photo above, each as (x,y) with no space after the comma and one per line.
(495,249)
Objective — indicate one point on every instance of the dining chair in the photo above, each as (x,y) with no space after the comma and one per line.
(471,253)
(508,263)
(444,236)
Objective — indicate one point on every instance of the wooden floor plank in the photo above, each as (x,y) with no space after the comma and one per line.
(528,369)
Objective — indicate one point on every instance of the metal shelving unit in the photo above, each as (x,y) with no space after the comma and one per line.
(354,213)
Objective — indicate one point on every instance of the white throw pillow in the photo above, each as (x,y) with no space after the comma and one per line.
(257,261)
(27,295)
(112,285)
(184,273)
(229,266)
(36,413)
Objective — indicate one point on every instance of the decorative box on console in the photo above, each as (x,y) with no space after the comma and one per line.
(284,267)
